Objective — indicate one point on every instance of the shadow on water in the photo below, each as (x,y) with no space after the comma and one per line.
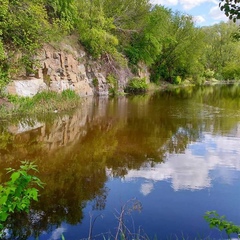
(77,153)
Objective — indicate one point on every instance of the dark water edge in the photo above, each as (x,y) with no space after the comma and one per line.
(175,151)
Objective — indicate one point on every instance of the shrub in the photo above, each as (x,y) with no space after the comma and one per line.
(137,85)
(4,80)
(231,72)
(16,194)
(208,74)
(220,222)
(177,80)
(113,84)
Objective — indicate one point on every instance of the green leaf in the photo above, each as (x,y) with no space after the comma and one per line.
(3,216)
(15,176)
(3,199)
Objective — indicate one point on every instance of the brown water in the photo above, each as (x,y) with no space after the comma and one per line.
(177,152)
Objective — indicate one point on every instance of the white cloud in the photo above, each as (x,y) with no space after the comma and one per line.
(146,188)
(186,4)
(192,172)
(199,19)
(206,12)
(216,14)
(189,4)
(57,233)
(165,2)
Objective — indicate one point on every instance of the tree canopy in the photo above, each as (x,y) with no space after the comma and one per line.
(168,42)
(231,8)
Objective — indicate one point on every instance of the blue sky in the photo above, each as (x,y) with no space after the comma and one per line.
(205,12)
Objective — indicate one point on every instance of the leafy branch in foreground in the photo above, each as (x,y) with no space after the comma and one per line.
(16,194)
(220,222)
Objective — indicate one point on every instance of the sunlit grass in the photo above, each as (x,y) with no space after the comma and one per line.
(43,102)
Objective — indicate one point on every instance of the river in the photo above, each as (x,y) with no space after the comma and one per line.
(155,162)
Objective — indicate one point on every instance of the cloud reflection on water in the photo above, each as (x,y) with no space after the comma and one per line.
(203,162)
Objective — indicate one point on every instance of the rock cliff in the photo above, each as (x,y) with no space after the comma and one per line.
(68,66)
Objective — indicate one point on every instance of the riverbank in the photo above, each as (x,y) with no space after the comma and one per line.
(49,101)
(43,102)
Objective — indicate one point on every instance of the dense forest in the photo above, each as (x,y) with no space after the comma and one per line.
(125,31)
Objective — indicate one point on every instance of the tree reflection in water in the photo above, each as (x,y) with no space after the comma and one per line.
(75,153)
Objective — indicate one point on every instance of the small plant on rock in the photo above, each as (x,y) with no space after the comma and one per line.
(137,85)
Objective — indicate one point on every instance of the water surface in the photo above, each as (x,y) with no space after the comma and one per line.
(163,159)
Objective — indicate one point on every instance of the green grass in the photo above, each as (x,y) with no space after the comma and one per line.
(136,85)
(43,102)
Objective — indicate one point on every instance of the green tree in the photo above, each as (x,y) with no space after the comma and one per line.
(25,28)
(231,8)
(128,15)
(221,48)
(146,45)
(95,29)
(63,10)
(181,50)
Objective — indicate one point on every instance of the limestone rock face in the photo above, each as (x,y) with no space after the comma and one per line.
(64,69)
(26,88)
(67,66)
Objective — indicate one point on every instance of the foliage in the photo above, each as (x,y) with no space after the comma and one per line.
(137,85)
(231,9)
(146,45)
(25,27)
(220,222)
(231,71)
(177,80)
(167,42)
(64,12)
(220,47)
(3,66)
(16,194)
(113,84)
(209,73)
(181,51)
(95,30)
(4,80)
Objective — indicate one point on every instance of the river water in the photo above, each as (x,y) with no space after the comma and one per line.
(155,163)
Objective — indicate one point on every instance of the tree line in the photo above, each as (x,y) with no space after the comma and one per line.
(124,31)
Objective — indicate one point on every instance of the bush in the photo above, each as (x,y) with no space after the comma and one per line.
(137,85)
(177,80)
(16,194)
(113,84)
(231,72)
(4,80)
(208,74)
(220,222)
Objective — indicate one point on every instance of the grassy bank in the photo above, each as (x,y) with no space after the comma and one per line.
(43,102)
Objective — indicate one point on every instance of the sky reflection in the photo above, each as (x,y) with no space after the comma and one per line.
(203,162)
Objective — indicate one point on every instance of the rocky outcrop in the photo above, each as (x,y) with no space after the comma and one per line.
(27,88)
(67,66)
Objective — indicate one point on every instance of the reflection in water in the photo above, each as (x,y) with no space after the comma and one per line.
(180,136)
(191,170)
